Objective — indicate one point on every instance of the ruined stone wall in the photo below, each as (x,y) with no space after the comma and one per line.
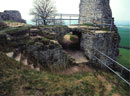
(11,15)
(47,51)
(94,9)
(54,32)
(107,43)
(44,52)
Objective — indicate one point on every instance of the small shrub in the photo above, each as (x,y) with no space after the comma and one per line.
(68,34)
(73,37)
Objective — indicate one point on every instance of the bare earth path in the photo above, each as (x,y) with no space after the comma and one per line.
(78,56)
(81,63)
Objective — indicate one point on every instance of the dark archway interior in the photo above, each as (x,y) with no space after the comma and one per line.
(74,48)
(77,46)
(73,45)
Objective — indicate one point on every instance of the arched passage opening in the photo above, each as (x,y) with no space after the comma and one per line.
(72,40)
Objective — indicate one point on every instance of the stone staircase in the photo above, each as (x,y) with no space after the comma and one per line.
(18,57)
(78,56)
(79,59)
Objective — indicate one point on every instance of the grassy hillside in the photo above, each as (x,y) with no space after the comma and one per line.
(18,80)
(125,36)
(124,57)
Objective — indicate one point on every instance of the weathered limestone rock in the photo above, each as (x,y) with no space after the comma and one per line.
(94,9)
(1,19)
(11,15)
(49,56)
(106,42)
(2,25)
(44,51)
(41,51)
(54,32)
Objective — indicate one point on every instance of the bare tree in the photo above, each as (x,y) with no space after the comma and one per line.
(43,9)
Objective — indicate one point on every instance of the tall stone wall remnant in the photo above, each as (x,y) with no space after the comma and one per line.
(94,10)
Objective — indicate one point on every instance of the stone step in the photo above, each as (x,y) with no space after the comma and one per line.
(31,66)
(37,36)
(81,60)
(18,57)
(25,61)
(10,54)
(37,69)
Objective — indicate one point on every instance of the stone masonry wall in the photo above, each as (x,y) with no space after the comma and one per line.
(94,9)
(107,43)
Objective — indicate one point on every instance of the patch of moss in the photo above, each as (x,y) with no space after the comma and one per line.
(45,40)
(11,30)
(88,24)
(9,21)
(69,34)
(73,37)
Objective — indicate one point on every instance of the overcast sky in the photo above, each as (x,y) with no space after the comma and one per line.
(120,8)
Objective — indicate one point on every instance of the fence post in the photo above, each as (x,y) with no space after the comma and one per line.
(119,78)
(61,19)
(54,20)
(79,21)
(70,20)
(38,20)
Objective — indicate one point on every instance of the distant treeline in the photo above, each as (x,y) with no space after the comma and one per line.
(124,47)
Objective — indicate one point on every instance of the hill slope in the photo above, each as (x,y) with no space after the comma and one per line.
(18,80)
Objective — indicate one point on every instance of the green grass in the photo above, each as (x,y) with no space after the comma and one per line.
(69,34)
(88,24)
(11,30)
(124,57)
(19,80)
(9,21)
(125,36)
(73,37)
